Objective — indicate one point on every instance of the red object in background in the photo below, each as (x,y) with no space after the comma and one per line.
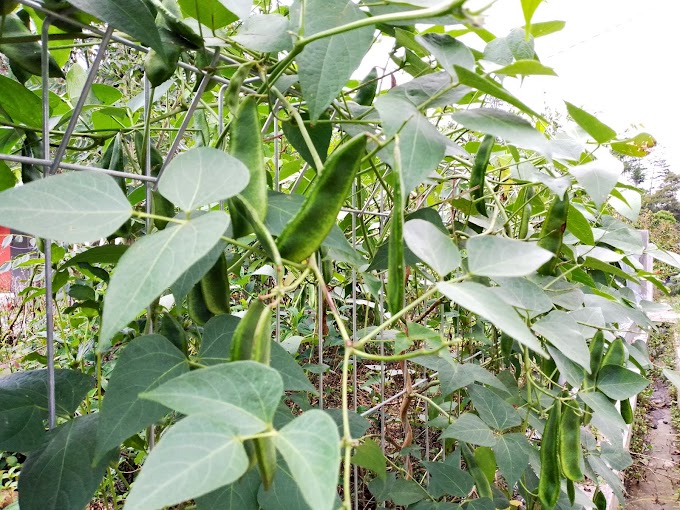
(5,255)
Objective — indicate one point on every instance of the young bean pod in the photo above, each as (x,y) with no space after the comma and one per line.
(570,442)
(215,287)
(549,479)
(396,271)
(478,173)
(304,234)
(481,481)
(246,145)
(552,232)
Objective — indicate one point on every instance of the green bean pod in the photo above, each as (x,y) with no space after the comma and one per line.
(525,198)
(252,337)
(197,307)
(367,88)
(478,173)
(570,442)
(616,354)
(552,232)
(480,479)
(305,232)
(571,492)
(252,341)
(549,479)
(626,411)
(27,56)
(160,68)
(246,145)
(396,270)
(215,287)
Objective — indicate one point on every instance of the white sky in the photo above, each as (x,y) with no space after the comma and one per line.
(617,59)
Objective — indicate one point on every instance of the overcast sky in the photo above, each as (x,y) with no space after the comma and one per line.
(617,59)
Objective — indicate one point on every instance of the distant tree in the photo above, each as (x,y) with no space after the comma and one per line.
(665,198)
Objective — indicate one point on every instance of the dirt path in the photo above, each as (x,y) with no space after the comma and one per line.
(659,491)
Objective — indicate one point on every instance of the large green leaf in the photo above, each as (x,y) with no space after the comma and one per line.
(421,146)
(448,51)
(294,378)
(369,455)
(147,362)
(23,405)
(529,7)
(105,254)
(20,104)
(183,285)
(562,330)
(266,33)
(240,495)
(432,246)
(216,341)
(75,207)
(578,225)
(202,176)
(512,454)
(598,178)
(600,132)
(438,89)
(470,429)
(63,475)
(130,16)
(522,293)
(606,417)
(152,264)
(310,445)
(620,383)
(500,256)
(196,456)
(245,393)
(506,125)
(526,68)
(448,479)
(495,411)
(213,14)
(326,65)
(7,177)
(483,301)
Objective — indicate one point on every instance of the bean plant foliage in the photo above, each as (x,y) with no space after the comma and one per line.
(501,248)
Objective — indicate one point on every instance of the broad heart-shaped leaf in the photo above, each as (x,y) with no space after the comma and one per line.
(522,293)
(481,300)
(512,454)
(470,429)
(152,264)
(105,254)
(606,417)
(294,378)
(421,146)
(620,383)
(62,475)
(245,393)
(495,411)
(499,256)
(213,14)
(326,65)
(448,51)
(526,68)
(600,132)
(310,445)
(216,341)
(425,88)
(130,16)
(265,33)
(240,495)
(20,104)
(506,125)
(572,372)
(23,405)
(562,330)
(183,284)
(202,176)
(598,178)
(196,456)
(369,455)
(529,7)
(432,246)
(146,362)
(447,479)
(453,375)
(74,207)
(578,225)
